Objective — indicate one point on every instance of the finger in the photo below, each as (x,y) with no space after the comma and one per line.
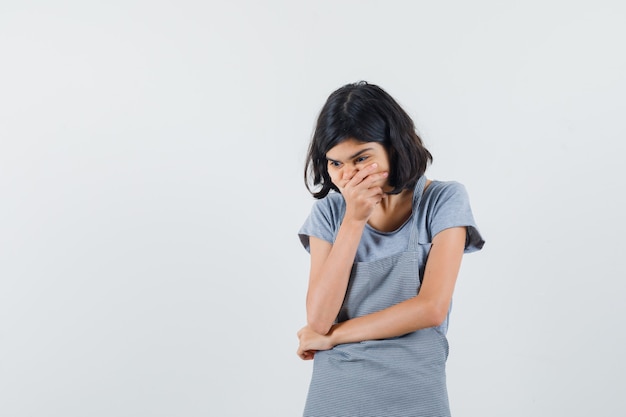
(375,192)
(306,354)
(371,180)
(362,174)
(375,179)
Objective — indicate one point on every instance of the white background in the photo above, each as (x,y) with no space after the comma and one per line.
(151,157)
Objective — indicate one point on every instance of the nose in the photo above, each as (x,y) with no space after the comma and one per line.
(348,172)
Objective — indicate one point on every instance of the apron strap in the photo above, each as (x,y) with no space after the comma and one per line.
(417,198)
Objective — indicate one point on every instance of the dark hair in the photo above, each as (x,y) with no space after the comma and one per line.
(365,112)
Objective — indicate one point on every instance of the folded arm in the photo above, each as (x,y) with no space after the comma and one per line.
(429,308)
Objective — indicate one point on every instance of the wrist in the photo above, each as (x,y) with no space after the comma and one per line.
(352,223)
(334,335)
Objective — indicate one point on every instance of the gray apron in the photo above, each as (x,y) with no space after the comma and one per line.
(402,376)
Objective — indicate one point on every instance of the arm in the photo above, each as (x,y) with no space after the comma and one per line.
(429,308)
(331,263)
(329,275)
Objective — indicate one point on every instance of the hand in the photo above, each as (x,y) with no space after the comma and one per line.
(311,342)
(363,192)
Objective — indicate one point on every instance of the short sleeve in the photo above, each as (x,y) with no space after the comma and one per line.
(323,221)
(449,206)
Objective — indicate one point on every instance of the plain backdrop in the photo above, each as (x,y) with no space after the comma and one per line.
(151,157)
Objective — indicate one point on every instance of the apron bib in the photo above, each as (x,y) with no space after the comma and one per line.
(402,376)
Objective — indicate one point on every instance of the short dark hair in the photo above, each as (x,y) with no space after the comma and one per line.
(367,113)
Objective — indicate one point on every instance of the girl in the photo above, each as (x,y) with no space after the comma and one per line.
(386,246)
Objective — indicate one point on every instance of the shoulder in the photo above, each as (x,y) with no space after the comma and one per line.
(443,199)
(324,220)
(446,204)
(440,192)
(332,201)
(441,187)
(331,208)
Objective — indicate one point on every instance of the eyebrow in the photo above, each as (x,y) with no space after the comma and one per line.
(362,151)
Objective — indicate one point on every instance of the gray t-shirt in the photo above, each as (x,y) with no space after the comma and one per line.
(445,204)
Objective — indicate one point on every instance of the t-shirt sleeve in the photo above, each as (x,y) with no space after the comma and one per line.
(321,223)
(451,208)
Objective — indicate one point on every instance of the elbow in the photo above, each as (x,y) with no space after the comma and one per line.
(436,315)
(439,318)
(319,326)
(319,319)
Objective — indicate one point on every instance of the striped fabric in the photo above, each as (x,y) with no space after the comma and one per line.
(402,376)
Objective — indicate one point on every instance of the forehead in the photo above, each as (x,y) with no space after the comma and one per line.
(351,147)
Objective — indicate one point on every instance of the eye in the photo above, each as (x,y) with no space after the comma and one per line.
(334,164)
(361,159)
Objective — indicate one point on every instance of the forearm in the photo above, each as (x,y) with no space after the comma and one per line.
(400,319)
(388,323)
(329,281)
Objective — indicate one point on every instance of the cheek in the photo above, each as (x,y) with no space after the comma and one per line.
(334,177)
(383,163)
(384,166)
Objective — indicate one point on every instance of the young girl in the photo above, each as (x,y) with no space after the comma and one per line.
(386,246)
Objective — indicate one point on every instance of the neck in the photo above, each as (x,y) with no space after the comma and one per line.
(392,211)
(391,202)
